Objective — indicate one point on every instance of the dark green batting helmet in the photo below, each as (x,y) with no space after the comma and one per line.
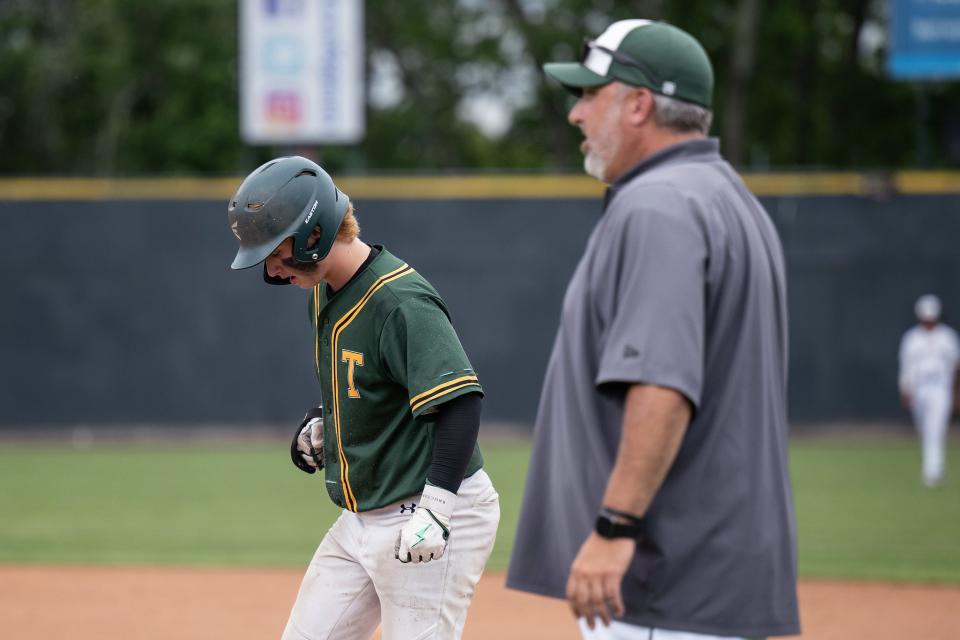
(285,198)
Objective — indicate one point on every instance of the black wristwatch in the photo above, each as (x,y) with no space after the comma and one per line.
(617,524)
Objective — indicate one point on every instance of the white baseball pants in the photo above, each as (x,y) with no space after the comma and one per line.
(623,631)
(355,583)
(932,405)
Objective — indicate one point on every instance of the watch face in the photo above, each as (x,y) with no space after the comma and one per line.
(607,528)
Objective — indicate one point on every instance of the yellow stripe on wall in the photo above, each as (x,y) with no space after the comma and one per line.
(821,184)
(930,182)
(470,187)
(118,188)
(370,187)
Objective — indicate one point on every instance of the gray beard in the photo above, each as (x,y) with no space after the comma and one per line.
(594,166)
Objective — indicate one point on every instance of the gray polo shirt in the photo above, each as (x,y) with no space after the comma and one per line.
(681,285)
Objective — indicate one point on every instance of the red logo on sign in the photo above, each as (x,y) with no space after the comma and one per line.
(283,107)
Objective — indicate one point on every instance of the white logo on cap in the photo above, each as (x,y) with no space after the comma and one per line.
(599,61)
(669,88)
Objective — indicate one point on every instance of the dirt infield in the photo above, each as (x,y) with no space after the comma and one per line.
(83,603)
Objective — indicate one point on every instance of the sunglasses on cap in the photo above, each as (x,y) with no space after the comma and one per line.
(622,58)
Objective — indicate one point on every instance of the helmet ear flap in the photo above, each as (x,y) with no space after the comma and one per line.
(330,217)
(310,249)
(313,249)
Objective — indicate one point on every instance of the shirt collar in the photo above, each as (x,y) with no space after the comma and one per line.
(699,150)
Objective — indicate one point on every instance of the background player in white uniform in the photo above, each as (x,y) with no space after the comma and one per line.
(929,354)
(397,432)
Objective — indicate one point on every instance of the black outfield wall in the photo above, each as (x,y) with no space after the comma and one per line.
(124,311)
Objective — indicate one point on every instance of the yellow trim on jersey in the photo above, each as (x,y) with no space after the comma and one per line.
(316,328)
(445,392)
(417,397)
(441,390)
(338,328)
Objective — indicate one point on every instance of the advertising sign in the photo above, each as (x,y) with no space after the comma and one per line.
(301,71)
(924,39)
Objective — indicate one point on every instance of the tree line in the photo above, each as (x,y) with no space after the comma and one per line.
(134,87)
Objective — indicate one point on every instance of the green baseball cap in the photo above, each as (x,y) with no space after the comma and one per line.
(643,53)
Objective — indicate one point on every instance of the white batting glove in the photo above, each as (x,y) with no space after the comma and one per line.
(306,450)
(310,443)
(424,537)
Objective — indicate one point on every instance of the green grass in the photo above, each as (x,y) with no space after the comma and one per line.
(861,510)
(241,505)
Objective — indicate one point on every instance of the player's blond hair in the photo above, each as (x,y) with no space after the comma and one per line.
(349,228)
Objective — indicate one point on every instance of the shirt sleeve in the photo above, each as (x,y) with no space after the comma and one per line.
(655,275)
(903,377)
(422,352)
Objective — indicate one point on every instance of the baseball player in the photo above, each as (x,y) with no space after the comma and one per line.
(929,354)
(397,431)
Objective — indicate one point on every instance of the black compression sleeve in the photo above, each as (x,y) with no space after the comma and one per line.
(454,439)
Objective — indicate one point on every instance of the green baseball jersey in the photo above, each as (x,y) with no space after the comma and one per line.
(386,356)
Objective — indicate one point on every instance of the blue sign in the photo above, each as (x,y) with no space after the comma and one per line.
(924,39)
